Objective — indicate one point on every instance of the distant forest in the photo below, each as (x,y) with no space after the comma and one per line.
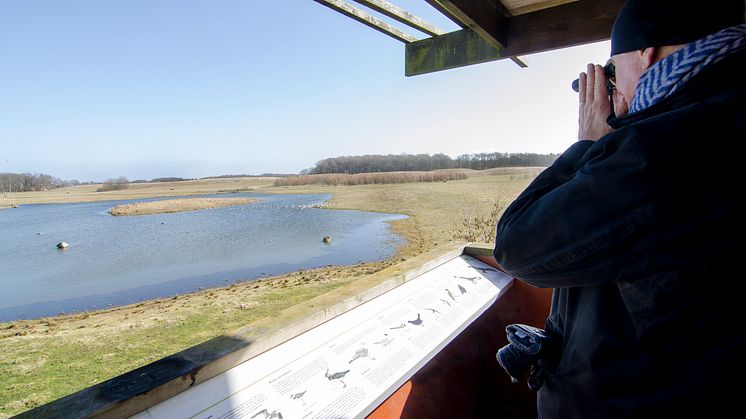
(418,162)
(372,163)
(27,182)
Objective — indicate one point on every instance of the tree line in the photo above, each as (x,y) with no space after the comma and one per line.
(28,182)
(480,161)
(372,163)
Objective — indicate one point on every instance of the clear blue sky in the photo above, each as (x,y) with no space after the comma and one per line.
(149,88)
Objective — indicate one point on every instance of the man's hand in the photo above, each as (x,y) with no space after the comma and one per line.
(594,104)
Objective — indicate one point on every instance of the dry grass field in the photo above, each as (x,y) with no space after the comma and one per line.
(44,359)
(88,193)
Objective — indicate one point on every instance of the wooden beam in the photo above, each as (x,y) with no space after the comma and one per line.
(520,60)
(460,17)
(452,50)
(350,11)
(445,12)
(567,25)
(524,7)
(393,11)
(488,18)
(563,26)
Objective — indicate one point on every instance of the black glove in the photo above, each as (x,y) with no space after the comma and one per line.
(525,351)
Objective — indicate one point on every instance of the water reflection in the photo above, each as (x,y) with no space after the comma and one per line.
(118,260)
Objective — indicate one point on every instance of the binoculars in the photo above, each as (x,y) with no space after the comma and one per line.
(609,72)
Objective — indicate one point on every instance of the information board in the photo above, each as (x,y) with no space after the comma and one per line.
(349,365)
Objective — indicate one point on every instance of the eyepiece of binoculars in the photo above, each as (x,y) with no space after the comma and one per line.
(609,72)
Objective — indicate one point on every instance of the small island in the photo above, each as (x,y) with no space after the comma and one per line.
(177,205)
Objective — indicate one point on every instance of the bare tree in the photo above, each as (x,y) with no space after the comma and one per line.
(114,184)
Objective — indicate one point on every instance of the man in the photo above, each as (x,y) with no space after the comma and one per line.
(635,226)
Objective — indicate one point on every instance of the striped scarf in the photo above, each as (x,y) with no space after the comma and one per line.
(669,74)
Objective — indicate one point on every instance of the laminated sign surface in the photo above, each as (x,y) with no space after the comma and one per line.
(347,366)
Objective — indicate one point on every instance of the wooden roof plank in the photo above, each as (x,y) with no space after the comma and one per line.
(395,12)
(487,18)
(520,60)
(482,17)
(519,7)
(445,12)
(567,25)
(371,21)
(570,24)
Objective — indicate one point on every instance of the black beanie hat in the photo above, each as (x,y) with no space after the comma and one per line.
(656,23)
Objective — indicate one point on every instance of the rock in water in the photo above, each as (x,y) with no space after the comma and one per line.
(62,245)
(326,239)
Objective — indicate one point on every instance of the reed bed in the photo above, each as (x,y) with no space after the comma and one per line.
(335,179)
(479,226)
(177,205)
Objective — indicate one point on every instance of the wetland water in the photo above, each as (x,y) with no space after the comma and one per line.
(120,260)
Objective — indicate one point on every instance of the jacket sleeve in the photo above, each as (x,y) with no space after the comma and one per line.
(584,221)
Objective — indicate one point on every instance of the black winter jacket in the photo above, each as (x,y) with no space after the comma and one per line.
(637,233)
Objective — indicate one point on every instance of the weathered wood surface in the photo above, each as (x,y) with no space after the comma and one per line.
(452,50)
(519,7)
(523,27)
(480,249)
(367,19)
(570,24)
(459,17)
(488,18)
(567,25)
(395,12)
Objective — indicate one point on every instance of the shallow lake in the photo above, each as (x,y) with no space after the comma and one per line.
(120,260)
